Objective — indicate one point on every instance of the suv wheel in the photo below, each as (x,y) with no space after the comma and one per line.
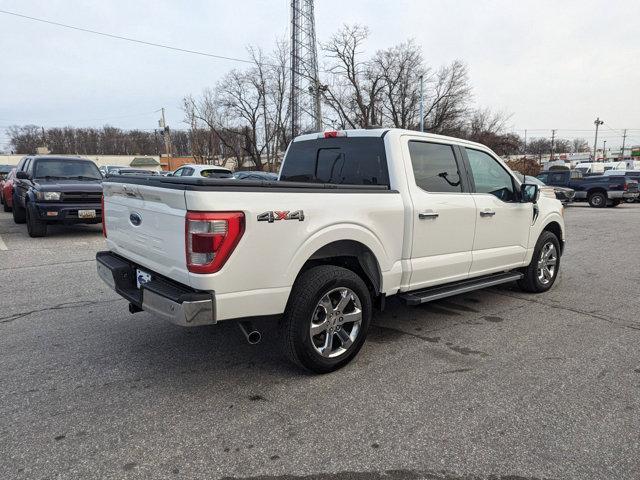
(35,227)
(598,199)
(5,206)
(327,318)
(19,215)
(542,272)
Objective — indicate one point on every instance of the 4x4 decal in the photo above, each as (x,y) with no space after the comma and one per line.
(284,215)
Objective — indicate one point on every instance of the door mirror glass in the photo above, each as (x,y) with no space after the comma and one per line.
(529,193)
(23,176)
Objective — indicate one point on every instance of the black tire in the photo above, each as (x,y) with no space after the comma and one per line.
(614,203)
(19,214)
(35,227)
(531,282)
(6,207)
(630,200)
(598,200)
(304,303)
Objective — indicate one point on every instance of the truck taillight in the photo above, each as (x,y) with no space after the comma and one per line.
(104,225)
(625,186)
(210,238)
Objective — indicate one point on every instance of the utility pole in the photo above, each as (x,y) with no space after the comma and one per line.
(604,151)
(553,139)
(525,142)
(624,140)
(166,134)
(597,123)
(422,103)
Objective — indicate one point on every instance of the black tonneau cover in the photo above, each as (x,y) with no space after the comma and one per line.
(236,185)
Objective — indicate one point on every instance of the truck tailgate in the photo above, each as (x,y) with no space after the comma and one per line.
(146,225)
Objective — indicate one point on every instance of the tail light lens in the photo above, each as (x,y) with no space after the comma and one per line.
(625,186)
(210,238)
(104,225)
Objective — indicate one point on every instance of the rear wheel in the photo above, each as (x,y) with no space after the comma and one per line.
(542,272)
(598,199)
(5,206)
(327,318)
(19,214)
(35,226)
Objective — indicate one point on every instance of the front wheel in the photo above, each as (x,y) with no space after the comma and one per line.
(327,318)
(35,227)
(19,214)
(542,272)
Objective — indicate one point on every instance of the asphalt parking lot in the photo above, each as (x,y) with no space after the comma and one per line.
(494,384)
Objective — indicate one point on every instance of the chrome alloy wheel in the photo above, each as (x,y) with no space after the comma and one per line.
(335,323)
(547,263)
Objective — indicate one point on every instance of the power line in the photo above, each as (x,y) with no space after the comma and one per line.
(128,39)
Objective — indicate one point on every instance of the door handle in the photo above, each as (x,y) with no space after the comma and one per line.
(487,213)
(425,215)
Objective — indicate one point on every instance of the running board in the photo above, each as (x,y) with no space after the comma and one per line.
(430,294)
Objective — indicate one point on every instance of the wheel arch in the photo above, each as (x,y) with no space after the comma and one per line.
(554,227)
(593,190)
(350,254)
(351,246)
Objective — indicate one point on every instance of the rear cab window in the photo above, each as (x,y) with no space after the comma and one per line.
(340,161)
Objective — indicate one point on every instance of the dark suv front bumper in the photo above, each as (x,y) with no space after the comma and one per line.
(67,213)
(174,302)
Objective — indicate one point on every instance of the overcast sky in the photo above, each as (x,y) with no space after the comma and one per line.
(552,64)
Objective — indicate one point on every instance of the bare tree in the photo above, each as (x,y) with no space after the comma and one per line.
(448,98)
(579,145)
(400,69)
(354,85)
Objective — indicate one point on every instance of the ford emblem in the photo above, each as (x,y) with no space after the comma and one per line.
(135,219)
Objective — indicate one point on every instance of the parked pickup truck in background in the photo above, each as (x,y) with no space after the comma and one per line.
(599,190)
(355,217)
(54,189)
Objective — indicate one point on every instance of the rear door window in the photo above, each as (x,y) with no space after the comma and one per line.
(556,177)
(342,161)
(434,167)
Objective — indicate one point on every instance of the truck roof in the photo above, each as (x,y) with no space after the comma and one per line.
(381,132)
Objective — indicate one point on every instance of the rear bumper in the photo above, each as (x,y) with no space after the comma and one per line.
(66,212)
(176,303)
(619,194)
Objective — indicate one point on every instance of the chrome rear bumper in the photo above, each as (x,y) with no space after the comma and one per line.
(173,302)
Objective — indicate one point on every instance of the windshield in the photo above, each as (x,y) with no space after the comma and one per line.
(66,168)
(535,181)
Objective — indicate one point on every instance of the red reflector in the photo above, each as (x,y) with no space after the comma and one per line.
(104,226)
(332,134)
(205,242)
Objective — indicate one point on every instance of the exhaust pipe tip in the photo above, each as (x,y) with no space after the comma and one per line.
(252,334)
(254,337)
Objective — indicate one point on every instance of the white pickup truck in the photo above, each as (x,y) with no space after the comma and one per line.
(356,216)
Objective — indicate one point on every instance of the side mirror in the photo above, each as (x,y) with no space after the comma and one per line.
(23,175)
(529,193)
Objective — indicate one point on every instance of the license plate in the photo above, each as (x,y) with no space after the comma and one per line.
(86,214)
(142,278)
